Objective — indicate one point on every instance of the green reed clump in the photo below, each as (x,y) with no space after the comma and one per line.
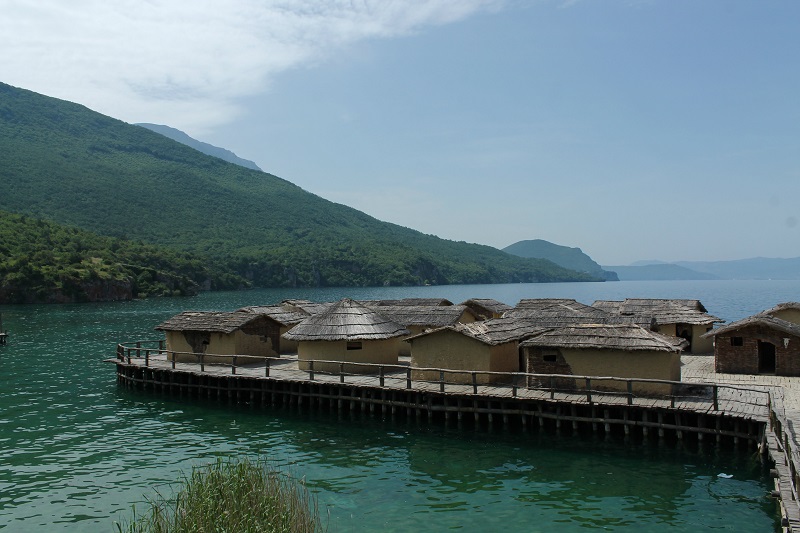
(231,496)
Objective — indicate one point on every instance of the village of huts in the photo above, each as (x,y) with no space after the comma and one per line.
(632,338)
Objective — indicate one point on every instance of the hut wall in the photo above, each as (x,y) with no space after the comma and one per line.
(699,344)
(452,350)
(379,352)
(285,345)
(742,358)
(539,360)
(622,364)
(668,329)
(789,315)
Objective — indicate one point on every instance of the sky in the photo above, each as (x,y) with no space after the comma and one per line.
(633,129)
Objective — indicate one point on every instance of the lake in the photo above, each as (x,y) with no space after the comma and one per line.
(76,451)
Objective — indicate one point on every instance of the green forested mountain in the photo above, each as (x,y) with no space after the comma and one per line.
(42,261)
(65,163)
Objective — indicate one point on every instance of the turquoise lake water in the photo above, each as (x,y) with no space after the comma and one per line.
(77,451)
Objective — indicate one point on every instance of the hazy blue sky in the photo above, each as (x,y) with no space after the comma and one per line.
(649,129)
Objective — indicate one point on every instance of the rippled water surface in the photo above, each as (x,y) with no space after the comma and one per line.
(76,451)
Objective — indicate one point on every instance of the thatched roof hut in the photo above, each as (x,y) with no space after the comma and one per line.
(789,311)
(426,316)
(305,306)
(279,313)
(487,307)
(346,320)
(491,332)
(413,302)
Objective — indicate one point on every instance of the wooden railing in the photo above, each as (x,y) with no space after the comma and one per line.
(590,386)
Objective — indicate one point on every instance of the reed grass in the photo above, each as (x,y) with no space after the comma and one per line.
(239,495)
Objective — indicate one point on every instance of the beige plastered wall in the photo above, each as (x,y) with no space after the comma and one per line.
(700,345)
(379,352)
(220,349)
(639,364)
(451,350)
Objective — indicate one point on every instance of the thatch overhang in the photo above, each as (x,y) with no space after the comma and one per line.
(620,337)
(208,321)
(346,320)
(280,314)
(487,306)
(762,320)
(491,332)
(665,311)
(424,315)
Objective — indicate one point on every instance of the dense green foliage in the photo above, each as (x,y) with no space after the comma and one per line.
(45,262)
(241,496)
(65,163)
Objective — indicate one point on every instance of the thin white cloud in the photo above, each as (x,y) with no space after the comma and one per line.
(186,63)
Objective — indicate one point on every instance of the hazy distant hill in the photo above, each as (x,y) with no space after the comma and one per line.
(63,162)
(208,149)
(571,258)
(658,272)
(755,268)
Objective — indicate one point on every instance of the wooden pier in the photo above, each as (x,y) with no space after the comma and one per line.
(704,412)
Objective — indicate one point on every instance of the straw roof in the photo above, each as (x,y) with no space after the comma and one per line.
(491,332)
(346,320)
(665,311)
(624,337)
(760,319)
(413,302)
(280,314)
(306,306)
(213,321)
(424,315)
(556,312)
(488,304)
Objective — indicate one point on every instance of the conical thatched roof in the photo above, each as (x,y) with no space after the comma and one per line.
(624,337)
(346,320)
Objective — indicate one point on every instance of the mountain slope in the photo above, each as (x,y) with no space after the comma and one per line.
(208,149)
(63,162)
(753,268)
(571,258)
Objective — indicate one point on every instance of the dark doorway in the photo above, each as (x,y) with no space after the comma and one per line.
(766,358)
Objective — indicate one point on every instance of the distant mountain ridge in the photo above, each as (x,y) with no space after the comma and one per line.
(753,268)
(208,149)
(571,258)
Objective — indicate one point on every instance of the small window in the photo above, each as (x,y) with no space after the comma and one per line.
(353,345)
(737,341)
(549,358)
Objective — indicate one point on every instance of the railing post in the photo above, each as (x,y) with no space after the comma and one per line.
(120,352)
(233,366)
(589,390)
(630,392)
(129,356)
(161,345)
(513,385)
(311,370)
(202,363)
(552,388)
(714,394)
(147,358)
(266,367)
(441,380)
(474,383)
(408,378)
(173,360)
(341,372)
(381,374)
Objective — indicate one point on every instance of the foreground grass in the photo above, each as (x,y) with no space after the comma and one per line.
(231,496)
